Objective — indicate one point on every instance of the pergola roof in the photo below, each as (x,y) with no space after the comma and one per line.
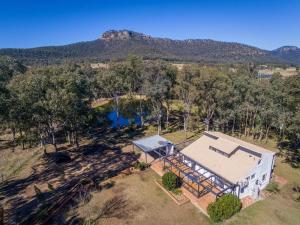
(151,143)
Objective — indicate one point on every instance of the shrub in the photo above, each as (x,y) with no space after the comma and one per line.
(141,166)
(165,168)
(177,191)
(272,187)
(298,199)
(170,181)
(50,187)
(225,207)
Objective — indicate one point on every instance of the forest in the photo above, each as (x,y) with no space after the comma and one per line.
(39,105)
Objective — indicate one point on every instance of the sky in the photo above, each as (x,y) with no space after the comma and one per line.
(267,24)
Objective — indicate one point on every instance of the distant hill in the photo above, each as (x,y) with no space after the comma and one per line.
(288,53)
(118,44)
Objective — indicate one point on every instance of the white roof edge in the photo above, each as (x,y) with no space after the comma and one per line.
(151,143)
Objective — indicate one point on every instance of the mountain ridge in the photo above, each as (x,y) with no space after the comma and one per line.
(117,44)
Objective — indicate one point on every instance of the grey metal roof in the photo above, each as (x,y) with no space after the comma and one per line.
(151,143)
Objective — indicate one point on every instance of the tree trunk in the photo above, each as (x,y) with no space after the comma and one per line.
(43,144)
(253,118)
(117,111)
(260,135)
(53,139)
(76,139)
(141,113)
(267,134)
(158,126)
(207,125)
(22,140)
(185,126)
(246,123)
(70,138)
(167,118)
(14,139)
(233,124)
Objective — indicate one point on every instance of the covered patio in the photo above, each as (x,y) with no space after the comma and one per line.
(154,147)
(198,182)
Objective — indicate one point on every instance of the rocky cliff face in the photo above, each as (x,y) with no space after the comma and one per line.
(287,49)
(289,53)
(123,35)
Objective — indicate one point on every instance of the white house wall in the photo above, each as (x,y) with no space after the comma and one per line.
(265,167)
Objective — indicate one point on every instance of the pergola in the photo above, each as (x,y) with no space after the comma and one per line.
(157,144)
(196,182)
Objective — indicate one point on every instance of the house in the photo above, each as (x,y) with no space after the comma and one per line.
(215,164)
(219,163)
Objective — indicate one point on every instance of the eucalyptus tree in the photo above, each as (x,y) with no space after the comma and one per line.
(211,88)
(21,112)
(70,99)
(111,83)
(133,70)
(186,91)
(156,86)
(292,92)
(171,74)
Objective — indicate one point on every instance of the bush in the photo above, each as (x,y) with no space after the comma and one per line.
(225,207)
(298,199)
(170,181)
(141,166)
(177,191)
(50,187)
(165,168)
(272,187)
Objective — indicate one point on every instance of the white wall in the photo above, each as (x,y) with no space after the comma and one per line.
(264,168)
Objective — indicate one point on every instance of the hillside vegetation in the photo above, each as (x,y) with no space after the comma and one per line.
(119,44)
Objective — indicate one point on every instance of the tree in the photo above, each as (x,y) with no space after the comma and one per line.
(156,86)
(112,84)
(186,91)
(212,88)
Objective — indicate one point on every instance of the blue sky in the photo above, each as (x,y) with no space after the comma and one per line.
(266,24)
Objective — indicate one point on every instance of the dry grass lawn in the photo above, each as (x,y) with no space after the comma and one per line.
(142,202)
(135,199)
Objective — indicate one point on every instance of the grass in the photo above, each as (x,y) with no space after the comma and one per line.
(13,163)
(280,208)
(272,187)
(142,202)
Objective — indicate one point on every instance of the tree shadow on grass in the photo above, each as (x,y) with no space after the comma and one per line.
(290,152)
(96,162)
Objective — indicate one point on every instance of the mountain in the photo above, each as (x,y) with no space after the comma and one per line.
(118,44)
(288,53)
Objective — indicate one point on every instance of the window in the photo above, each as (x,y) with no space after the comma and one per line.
(264,177)
(252,176)
(242,190)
